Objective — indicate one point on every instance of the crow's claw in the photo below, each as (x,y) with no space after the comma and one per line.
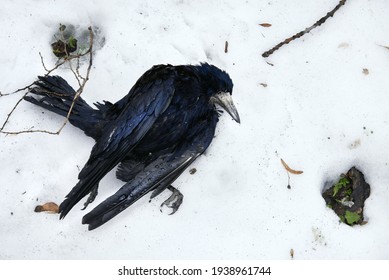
(174,201)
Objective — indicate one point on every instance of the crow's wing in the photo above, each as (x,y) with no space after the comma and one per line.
(154,73)
(157,175)
(148,101)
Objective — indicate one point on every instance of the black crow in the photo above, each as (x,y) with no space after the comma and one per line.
(154,133)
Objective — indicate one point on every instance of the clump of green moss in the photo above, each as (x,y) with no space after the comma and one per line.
(351,217)
(343,182)
(347,196)
(65,45)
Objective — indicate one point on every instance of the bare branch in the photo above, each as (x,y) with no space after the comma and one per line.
(10,113)
(78,77)
(307,30)
(43,63)
(81,89)
(16,91)
(78,69)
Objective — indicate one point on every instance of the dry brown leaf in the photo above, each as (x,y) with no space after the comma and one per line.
(291,253)
(365,71)
(47,207)
(290,170)
(265,24)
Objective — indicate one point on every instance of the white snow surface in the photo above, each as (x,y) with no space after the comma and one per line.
(319,112)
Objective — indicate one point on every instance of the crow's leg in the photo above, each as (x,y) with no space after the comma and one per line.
(92,196)
(174,201)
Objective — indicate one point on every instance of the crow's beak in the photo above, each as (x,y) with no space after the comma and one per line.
(224,99)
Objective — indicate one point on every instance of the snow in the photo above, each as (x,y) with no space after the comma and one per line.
(319,112)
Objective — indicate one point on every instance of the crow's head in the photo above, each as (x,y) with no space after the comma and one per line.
(219,88)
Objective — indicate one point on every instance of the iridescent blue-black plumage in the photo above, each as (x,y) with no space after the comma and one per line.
(154,133)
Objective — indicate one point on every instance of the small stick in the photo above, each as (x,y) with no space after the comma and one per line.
(307,30)
(10,113)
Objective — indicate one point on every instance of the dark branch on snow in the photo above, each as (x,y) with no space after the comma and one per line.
(307,30)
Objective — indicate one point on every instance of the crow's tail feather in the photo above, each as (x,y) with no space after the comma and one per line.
(56,95)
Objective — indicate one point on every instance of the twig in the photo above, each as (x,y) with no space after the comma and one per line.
(43,63)
(10,113)
(307,30)
(16,91)
(78,68)
(85,80)
(48,72)
(82,84)
(75,73)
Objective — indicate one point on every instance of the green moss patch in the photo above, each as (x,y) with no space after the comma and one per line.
(65,43)
(346,197)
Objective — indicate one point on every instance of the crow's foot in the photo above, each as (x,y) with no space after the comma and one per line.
(174,201)
(91,197)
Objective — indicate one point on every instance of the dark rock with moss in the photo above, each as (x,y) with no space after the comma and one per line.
(64,49)
(347,197)
(72,39)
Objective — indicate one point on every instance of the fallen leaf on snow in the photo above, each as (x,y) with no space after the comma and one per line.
(47,207)
(265,24)
(365,71)
(290,170)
